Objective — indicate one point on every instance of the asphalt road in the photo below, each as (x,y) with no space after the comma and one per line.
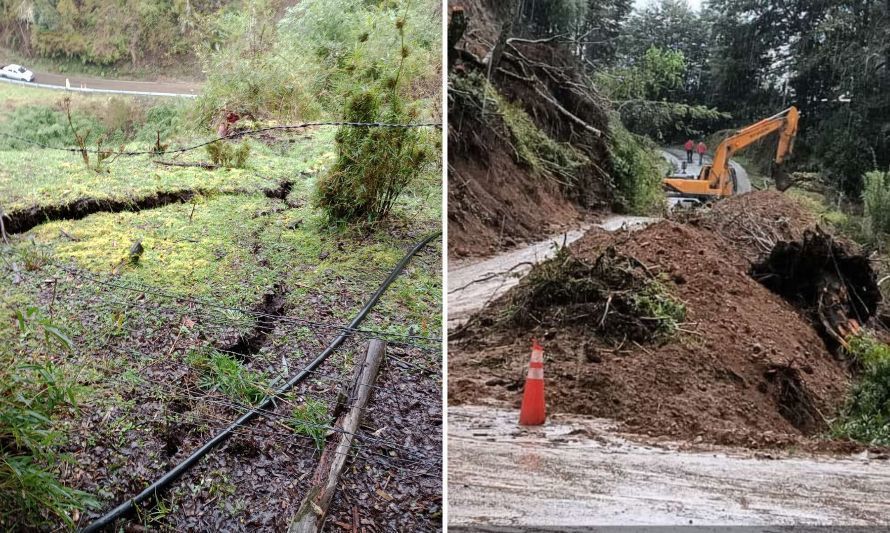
(173,88)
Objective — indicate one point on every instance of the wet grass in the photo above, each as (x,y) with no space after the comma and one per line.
(232,246)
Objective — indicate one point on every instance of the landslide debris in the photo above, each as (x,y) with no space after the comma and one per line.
(527,149)
(615,295)
(747,365)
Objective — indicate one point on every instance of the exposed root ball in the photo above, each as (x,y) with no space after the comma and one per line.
(820,276)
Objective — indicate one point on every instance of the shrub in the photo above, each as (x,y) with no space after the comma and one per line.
(222,154)
(866,415)
(374,165)
(636,174)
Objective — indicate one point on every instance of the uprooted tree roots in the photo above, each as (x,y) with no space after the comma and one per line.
(819,275)
(616,296)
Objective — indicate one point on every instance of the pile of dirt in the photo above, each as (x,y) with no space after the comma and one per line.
(496,197)
(745,367)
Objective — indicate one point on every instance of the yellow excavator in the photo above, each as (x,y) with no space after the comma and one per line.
(718,179)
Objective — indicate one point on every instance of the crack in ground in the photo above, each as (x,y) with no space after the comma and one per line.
(269,311)
(26,219)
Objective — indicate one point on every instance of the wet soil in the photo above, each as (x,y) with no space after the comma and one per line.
(746,368)
(148,409)
(580,471)
(25,219)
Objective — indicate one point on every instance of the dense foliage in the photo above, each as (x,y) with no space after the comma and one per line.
(752,59)
(109,32)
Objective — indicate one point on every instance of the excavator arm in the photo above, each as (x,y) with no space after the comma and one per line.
(715,180)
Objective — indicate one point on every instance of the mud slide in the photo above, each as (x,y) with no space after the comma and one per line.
(579,471)
(734,387)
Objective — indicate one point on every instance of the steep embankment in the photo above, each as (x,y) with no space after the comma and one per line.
(527,135)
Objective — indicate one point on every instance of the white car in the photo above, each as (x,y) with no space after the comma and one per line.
(17,72)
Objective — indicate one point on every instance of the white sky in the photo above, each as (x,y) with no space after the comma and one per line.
(694,4)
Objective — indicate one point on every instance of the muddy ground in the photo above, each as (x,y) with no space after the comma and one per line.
(580,471)
(153,412)
(746,367)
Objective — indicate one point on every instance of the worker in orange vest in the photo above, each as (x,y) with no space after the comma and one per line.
(701,149)
(689,146)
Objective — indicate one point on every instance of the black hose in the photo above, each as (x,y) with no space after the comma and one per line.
(172,475)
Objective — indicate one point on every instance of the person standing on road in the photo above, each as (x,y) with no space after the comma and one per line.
(701,149)
(689,146)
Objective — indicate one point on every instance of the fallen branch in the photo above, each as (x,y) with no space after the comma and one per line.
(208,166)
(310,517)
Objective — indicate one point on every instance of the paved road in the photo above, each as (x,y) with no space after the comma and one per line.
(579,471)
(92,84)
(471,285)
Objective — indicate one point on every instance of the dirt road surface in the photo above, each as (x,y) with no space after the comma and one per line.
(471,285)
(579,471)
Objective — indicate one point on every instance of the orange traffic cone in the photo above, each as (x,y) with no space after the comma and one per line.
(532,412)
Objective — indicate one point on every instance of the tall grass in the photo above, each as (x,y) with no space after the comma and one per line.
(31,495)
(876,203)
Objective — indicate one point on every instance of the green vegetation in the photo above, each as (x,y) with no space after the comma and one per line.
(34,392)
(636,172)
(866,416)
(222,154)
(609,295)
(546,157)
(656,303)
(104,33)
(319,54)
(876,203)
(311,419)
(374,165)
(222,372)
(647,96)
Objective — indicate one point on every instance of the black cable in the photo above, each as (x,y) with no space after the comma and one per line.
(174,474)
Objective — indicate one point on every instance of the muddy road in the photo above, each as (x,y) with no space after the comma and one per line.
(580,471)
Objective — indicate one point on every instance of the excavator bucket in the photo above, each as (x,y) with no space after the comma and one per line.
(783,180)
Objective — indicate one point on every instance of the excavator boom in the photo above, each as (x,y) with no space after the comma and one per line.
(716,180)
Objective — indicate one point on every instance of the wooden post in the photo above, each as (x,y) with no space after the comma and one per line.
(310,517)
